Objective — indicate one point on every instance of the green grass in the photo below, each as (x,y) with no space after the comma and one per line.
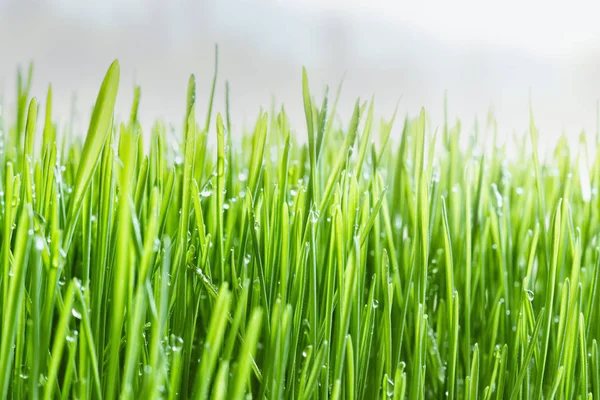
(336,263)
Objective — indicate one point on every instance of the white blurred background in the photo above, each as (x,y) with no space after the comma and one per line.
(482,54)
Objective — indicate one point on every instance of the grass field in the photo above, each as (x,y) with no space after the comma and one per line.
(322,262)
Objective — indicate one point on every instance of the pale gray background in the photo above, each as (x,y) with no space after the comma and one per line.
(482,55)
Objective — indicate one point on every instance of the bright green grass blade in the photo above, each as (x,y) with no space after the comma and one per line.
(220,191)
(221,380)
(364,141)
(89,338)
(30,129)
(156,356)
(341,159)
(247,352)
(11,191)
(61,336)
(473,390)
(213,343)
(121,273)
(308,110)
(133,117)
(190,101)
(212,91)
(49,134)
(12,308)
(528,354)
(549,301)
(98,131)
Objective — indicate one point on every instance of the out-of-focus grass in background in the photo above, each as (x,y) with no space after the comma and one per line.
(481,55)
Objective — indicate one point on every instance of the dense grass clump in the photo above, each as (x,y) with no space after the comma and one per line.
(348,265)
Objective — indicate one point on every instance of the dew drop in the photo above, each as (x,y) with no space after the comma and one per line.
(75,313)
(314,217)
(390,388)
(176,343)
(72,338)
(529,294)
(24,372)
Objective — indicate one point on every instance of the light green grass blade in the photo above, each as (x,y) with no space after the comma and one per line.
(98,131)
(12,309)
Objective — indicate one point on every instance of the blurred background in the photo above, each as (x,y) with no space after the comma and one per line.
(483,55)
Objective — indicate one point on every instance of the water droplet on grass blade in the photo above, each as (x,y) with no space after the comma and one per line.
(390,387)
(176,343)
(314,217)
(75,313)
(72,338)
(529,294)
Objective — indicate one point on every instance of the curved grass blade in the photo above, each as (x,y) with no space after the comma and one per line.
(97,133)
